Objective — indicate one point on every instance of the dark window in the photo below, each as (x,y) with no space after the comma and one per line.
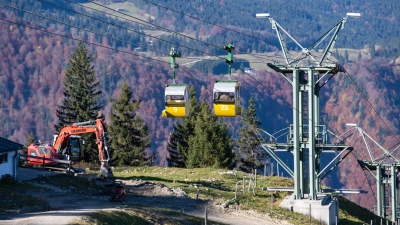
(3,158)
(224,96)
(43,151)
(175,97)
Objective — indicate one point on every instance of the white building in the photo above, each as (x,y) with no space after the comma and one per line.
(9,157)
(250,71)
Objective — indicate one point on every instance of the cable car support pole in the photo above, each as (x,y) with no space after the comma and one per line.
(229,59)
(174,54)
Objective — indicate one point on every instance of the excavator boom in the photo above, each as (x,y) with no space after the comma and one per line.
(66,145)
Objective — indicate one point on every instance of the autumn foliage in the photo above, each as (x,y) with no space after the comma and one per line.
(33,67)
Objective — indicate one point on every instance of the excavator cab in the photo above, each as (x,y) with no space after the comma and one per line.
(71,150)
(75,148)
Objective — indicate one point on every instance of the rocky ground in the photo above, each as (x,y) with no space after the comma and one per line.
(68,205)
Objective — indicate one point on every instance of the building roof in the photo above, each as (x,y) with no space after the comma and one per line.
(8,146)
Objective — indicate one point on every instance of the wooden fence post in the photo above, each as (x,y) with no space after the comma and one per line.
(205,218)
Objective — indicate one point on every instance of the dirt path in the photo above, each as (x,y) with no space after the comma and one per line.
(69,206)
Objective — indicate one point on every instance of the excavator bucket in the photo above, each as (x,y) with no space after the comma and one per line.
(106,176)
(106,172)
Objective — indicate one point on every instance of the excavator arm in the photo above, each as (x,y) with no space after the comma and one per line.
(93,126)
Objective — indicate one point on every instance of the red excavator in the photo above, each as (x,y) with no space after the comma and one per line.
(67,146)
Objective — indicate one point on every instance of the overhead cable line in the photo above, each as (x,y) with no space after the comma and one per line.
(198,81)
(366,177)
(374,110)
(160,27)
(88,30)
(119,27)
(73,11)
(219,47)
(87,41)
(270,90)
(123,27)
(275,44)
(81,28)
(91,43)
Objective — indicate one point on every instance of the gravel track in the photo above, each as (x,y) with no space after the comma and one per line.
(68,206)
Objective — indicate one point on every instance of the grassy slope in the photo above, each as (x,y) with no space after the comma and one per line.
(213,184)
(216,184)
(351,213)
(141,215)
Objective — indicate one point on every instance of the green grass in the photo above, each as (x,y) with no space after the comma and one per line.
(114,217)
(142,215)
(216,184)
(350,213)
(213,184)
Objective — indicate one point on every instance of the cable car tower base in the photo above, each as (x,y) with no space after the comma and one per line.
(306,138)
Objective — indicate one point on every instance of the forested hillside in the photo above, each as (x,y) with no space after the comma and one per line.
(305,20)
(33,65)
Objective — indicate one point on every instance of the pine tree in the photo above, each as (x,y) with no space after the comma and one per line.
(128,134)
(175,138)
(250,153)
(80,102)
(178,140)
(200,140)
(210,145)
(29,141)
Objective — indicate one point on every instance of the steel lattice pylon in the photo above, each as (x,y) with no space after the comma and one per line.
(307,139)
(384,169)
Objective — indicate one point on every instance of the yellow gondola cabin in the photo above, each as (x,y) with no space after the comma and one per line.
(176,101)
(226,98)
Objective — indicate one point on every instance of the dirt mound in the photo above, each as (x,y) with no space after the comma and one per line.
(150,189)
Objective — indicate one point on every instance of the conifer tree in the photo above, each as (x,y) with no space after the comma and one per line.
(201,140)
(250,153)
(178,139)
(81,95)
(30,139)
(174,159)
(128,134)
(210,145)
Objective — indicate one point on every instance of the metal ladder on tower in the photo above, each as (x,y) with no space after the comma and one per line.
(386,203)
(304,115)
(304,137)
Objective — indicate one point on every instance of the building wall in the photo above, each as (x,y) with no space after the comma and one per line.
(8,166)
